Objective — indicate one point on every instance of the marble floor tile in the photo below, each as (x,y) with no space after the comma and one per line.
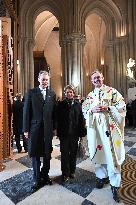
(132,151)
(16,180)
(86,165)
(134,146)
(87,202)
(132,139)
(129,143)
(18,187)
(53,195)
(12,168)
(102,197)
(4,200)
(83,184)
(25,160)
(18,155)
(132,131)
(127,149)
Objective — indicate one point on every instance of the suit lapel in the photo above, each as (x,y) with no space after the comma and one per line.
(47,95)
(39,94)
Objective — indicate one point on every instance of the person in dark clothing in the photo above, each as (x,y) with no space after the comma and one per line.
(129,114)
(70,127)
(18,123)
(38,127)
(133,106)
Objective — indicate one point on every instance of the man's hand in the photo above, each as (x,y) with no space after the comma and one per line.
(104,108)
(99,108)
(26,134)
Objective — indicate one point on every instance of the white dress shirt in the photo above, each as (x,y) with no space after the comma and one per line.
(43,91)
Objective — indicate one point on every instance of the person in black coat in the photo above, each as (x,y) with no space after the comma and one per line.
(133,106)
(18,122)
(70,127)
(38,126)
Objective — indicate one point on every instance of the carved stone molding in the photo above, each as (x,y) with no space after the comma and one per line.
(2,9)
(10,5)
(73,37)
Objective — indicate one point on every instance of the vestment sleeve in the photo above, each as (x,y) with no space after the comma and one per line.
(87,106)
(118,108)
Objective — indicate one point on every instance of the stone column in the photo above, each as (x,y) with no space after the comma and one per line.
(72,58)
(132,28)
(109,61)
(31,63)
(117,53)
(21,67)
(26,74)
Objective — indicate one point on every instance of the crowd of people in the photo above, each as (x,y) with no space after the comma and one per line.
(101,116)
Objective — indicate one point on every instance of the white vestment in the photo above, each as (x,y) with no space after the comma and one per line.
(105,131)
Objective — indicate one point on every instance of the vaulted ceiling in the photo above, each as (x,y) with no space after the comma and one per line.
(47,40)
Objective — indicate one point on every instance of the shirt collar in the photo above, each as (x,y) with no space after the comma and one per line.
(42,89)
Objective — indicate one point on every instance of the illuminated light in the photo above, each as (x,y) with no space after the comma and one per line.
(122,33)
(17,62)
(102,61)
(75,82)
(87,74)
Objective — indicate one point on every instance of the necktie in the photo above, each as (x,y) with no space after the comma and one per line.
(43,91)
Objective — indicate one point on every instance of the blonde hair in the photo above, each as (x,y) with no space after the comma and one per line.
(70,87)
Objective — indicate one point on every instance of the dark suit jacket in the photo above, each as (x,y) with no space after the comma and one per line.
(17,117)
(70,120)
(39,121)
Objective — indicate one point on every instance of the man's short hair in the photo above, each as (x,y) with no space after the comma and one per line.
(43,72)
(97,71)
(18,96)
(70,87)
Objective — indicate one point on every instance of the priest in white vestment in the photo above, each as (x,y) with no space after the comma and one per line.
(104,110)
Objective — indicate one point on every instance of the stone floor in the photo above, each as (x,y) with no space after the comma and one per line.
(16,181)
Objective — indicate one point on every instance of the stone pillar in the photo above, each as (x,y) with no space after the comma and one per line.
(72,60)
(132,28)
(109,61)
(21,66)
(31,63)
(116,56)
(26,74)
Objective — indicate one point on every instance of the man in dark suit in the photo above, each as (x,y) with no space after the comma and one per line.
(70,127)
(18,122)
(38,126)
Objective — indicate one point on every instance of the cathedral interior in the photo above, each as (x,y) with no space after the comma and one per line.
(69,39)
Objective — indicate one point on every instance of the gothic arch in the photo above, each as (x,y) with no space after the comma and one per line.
(108,11)
(29,12)
(115,23)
